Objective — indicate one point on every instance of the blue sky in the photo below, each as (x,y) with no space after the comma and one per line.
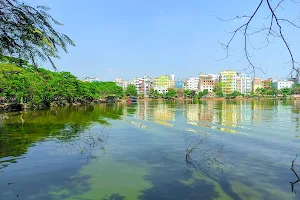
(131,38)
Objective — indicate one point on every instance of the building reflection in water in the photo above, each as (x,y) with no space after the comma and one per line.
(227,116)
(163,114)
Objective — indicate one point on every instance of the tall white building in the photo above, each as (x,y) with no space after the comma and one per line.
(192,83)
(243,84)
(282,84)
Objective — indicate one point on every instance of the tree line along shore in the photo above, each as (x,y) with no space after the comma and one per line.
(25,86)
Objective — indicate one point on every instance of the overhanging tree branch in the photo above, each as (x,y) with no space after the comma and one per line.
(27,32)
(274,30)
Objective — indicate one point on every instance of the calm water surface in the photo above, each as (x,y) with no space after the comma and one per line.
(138,151)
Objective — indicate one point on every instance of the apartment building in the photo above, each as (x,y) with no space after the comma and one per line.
(179,84)
(122,83)
(268,83)
(208,81)
(283,84)
(143,85)
(172,80)
(257,83)
(162,84)
(192,83)
(243,83)
(228,80)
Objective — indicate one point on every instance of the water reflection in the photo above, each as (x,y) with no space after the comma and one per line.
(54,151)
(227,116)
(21,130)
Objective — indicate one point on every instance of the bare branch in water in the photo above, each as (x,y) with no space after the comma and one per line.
(298,179)
(85,143)
(210,158)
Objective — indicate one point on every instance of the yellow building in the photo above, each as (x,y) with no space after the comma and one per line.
(162,81)
(228,80)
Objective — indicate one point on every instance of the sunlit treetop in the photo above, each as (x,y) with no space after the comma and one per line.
(27,32)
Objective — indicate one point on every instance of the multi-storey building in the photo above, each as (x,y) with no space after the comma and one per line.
(207,81)
(139,85)
(192,83)
(179,84)
(122,83)
(172,80)
(243,83)
(143,85)
(257,83)
(282,84)
(268,83)
(228,80)
(162,83)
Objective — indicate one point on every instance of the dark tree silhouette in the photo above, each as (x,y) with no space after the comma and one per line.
(26,32)
(273,31)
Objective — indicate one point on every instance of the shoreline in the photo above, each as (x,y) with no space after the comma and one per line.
(12,107)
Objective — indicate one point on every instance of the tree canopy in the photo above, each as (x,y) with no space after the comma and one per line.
(131,91)
(40,86)
(202,94)
(171,93)
(27,32)
(154,93)
(218,89)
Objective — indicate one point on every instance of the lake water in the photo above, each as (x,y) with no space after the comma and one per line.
(239,150)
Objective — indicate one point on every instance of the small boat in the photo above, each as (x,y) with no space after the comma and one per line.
(131,100)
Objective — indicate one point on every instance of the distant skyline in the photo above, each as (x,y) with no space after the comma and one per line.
(132,38)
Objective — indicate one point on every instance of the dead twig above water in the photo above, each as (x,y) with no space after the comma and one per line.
(209,157)
(85,143)
(192,147)
(298,179)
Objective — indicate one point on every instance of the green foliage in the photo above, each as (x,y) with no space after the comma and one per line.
(27,32)
(187,93)
(154,93)
(62,123)
(179,92)
(131,91)
(40,86)
(295,89)
(218,89)
(269,91)
(202,94)
(171,93)
(285,92)
(233,95)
